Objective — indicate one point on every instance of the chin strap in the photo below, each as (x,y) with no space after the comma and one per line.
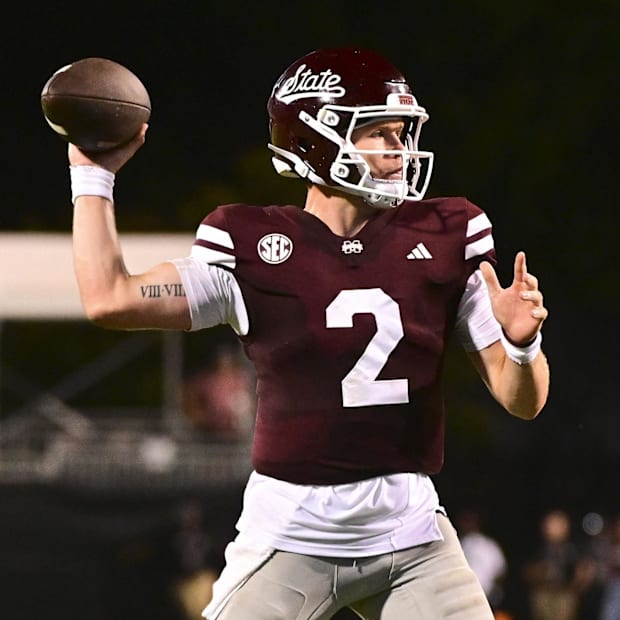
(291,166)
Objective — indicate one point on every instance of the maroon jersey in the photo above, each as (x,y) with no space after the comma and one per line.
(348,335)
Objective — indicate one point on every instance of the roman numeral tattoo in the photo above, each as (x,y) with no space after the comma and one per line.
(153,291)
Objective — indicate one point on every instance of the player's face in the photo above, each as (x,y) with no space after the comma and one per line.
(383,135)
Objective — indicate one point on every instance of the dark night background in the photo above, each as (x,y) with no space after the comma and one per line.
(523,99)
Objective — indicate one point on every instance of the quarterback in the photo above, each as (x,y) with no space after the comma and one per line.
(345,306)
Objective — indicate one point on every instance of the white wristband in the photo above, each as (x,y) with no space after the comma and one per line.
(521,355)
(91,181)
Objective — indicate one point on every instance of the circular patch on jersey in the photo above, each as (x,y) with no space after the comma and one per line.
(275,248)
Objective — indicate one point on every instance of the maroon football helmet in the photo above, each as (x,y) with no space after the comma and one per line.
(317,103)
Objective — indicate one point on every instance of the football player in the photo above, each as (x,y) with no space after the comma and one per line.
(345,306)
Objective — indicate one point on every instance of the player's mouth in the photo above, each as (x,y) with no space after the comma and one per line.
(394,175)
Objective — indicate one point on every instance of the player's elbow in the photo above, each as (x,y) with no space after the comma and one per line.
(103,313)
(526,408)
(525,413)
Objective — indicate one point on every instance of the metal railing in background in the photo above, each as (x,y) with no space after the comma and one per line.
(124,453)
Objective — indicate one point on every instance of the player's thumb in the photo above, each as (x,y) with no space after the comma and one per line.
(490,277)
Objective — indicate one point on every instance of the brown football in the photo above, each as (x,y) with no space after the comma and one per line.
(95,103)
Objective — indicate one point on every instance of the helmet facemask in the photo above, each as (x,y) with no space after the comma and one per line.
(349,169)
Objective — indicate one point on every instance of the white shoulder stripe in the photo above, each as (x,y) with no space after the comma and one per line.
(476,224)
(476,248)
(213,257)
(215,235)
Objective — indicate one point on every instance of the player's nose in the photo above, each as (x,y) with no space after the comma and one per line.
(395,143)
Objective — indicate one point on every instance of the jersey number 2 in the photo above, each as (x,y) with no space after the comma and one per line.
(360,387)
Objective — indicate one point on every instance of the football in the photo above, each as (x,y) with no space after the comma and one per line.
(95,103)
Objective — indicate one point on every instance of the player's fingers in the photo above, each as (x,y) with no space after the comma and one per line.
(78,157)
(534,296)
(490,278)
(520,268)
(540,313)
(136,142)
(140,137)
(531,281)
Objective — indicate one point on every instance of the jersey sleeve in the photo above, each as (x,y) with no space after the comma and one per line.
(479,244)
(213,293)
(476,327)
(214,243)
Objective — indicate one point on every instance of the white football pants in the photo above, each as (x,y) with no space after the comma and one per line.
(427,582)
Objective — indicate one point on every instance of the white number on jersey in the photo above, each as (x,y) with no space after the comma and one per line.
(360,387)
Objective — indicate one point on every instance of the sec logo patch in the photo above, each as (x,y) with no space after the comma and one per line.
(275,248)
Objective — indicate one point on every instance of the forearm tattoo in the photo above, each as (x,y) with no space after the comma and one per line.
(153,291)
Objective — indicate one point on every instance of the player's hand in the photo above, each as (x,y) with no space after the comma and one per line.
(112,160)
(518,308)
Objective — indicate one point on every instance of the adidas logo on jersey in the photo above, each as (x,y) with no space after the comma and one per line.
(419,252)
